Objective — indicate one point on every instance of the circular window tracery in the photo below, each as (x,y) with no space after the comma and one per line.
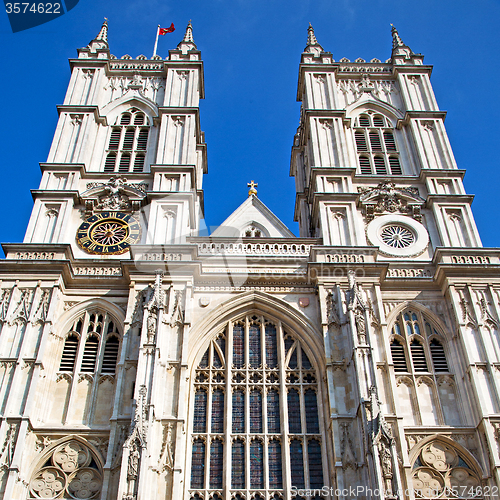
(440,471)
(71,471)
(397,236)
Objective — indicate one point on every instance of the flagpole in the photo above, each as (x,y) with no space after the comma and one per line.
(156,41)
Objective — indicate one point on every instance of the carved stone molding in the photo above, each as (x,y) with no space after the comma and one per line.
(387,198)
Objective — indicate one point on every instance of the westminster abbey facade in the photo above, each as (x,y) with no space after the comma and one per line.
(140,360)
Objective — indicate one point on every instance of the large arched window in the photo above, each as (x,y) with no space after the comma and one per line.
(255,410)
(427,388)
(128,143)
(376,145)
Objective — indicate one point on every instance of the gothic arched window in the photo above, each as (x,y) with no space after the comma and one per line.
(441,471)
(71,470)
(255,408)
(92,345)
(376,145)
(427,389)
(128,143)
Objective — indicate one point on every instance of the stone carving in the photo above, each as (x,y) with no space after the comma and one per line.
(332,317)
(177,317)
(467,314)
(22,309)
(133,461)
(166,461)
(121,436)
(4,304)
(42,442)
(486,316)
(138,313)
(409,273)
(101,444)
(8,446)
(152,322)
(386,197)
(43,307)
(359,319)
(97,271)
(116,194)
(347,449)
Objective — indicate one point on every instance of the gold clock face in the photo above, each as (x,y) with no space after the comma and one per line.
(108,233)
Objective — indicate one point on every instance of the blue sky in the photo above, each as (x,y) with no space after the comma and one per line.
(251,51)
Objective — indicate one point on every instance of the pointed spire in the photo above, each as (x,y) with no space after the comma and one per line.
(101,40)
(188,42)
(312,43)
(103,34)
(396,39)
(188,36)
(401,53)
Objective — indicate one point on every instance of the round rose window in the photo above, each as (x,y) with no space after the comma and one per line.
(397,236)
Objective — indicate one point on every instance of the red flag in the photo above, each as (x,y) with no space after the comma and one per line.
(164,31)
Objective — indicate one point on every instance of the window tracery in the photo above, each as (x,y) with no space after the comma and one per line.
(254,372)
(128,143)
(376,145)
(427,389)
(441,471)
(71,471)
(96,349)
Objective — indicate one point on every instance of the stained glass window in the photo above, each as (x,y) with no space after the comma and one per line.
(238,464)
(297,463)
(256,464)
(238,411)
(275,467)
(271,347)
(216,463)
(255,411)
(200,411)
(294,426)
(254,352)
(238,346)
(198,464)
(265,372)
(273,411)
(218,411)
(312,421)
(315,464)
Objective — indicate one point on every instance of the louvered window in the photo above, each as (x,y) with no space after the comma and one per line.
(102,339)
(414,334)
(128,142)
(110,356)
(374,139)
(380,165)
(398,356)
(438,356)
(395,165)
(418,356)
(261,372)
(68,358)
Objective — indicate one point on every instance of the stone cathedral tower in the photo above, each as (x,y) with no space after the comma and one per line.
(142,361)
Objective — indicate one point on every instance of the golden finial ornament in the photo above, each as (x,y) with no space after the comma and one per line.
(252,185)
